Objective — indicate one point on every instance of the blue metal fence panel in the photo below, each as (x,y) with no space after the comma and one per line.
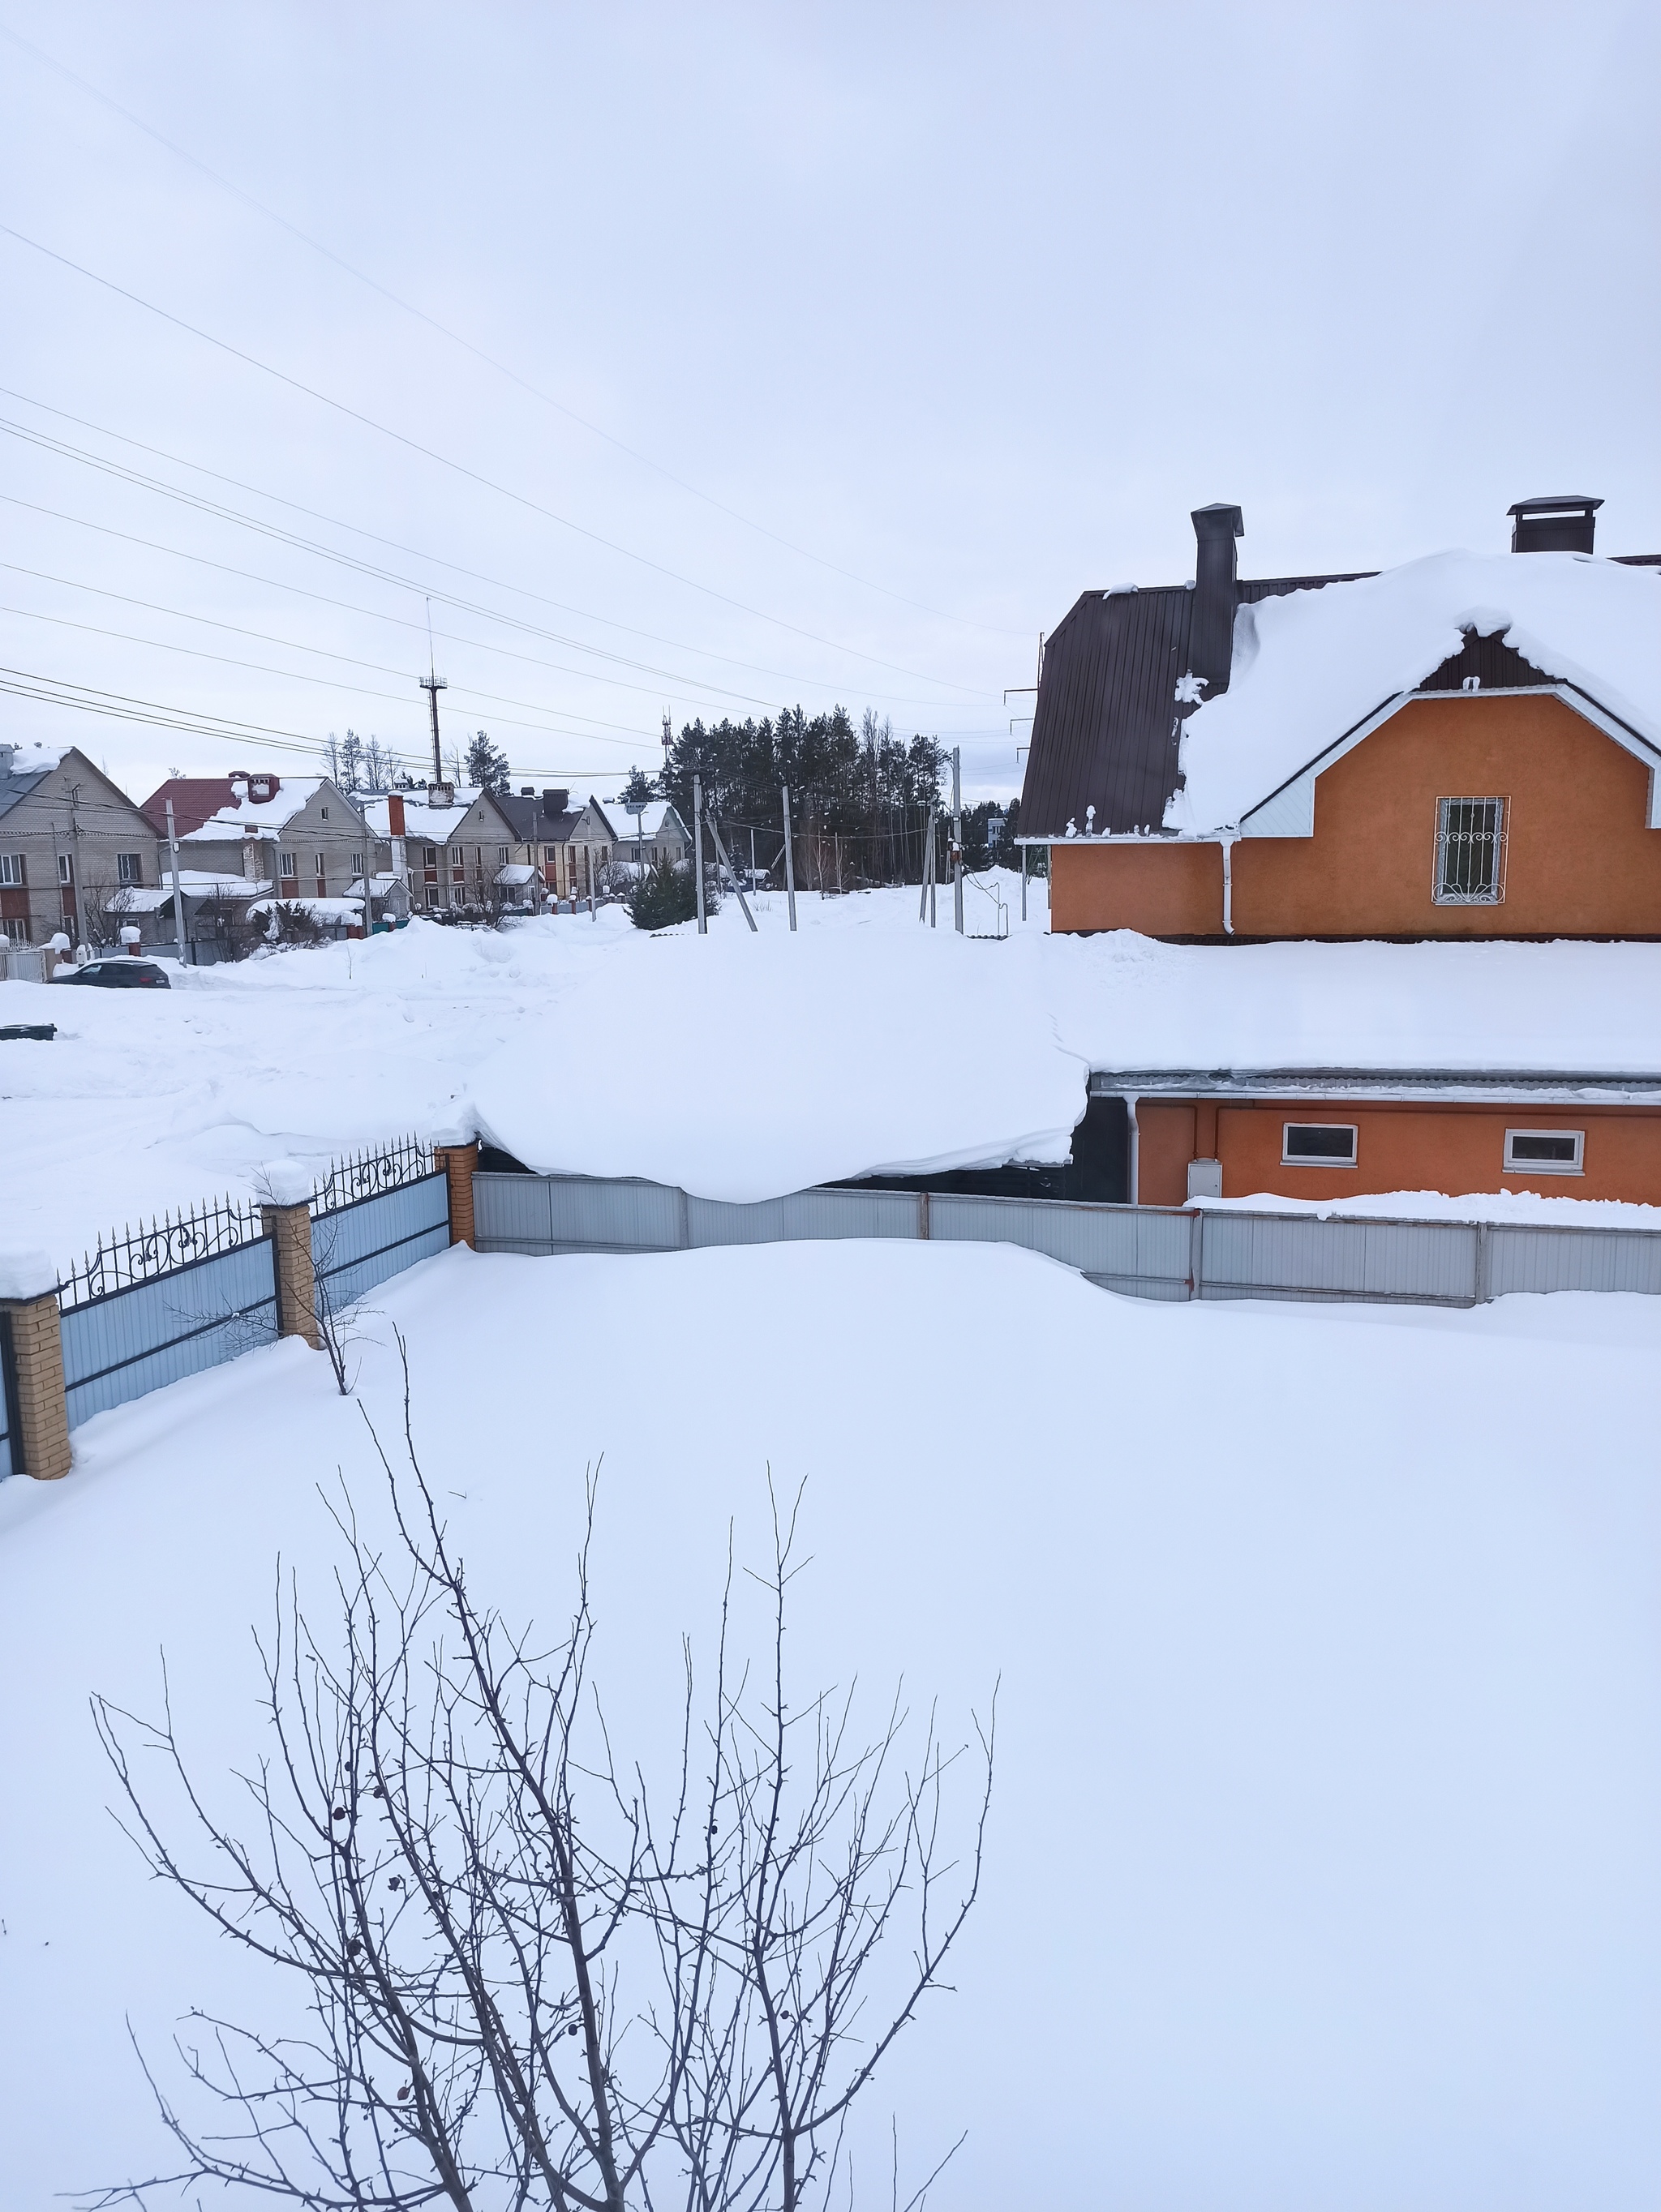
(1574,1260)
(136,1340)
(357,1246)
(6,1395)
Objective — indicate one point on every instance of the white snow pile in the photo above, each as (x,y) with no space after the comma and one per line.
(737,1067)
(1310,665)
(1328,1795)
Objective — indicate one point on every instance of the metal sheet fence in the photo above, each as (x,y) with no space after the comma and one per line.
(133,1341)
(357,1246)
(1150,1252)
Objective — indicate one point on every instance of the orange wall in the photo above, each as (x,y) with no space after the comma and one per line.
(1399,1146)
(1580,861)
(1162,889)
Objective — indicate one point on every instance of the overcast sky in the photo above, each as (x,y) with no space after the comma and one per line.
(839,348)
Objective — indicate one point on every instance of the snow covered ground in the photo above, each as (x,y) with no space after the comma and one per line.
(738,1067)
(1328,1805)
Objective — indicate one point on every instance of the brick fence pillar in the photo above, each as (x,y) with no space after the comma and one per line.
(290,1228)
(40,1442)
(460,1163)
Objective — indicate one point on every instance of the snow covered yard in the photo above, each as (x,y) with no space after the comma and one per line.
(1327,1807)
(863,1042)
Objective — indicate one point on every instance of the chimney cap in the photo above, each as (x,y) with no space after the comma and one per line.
(1219,520)
(1574,502)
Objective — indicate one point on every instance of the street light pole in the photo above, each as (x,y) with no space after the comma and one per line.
(178,896)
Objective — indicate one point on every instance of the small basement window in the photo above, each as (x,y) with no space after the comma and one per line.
(1470,852)
(1317,1145)
(1545,1151)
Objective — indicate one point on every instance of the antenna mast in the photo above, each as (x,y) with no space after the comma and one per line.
(432,685)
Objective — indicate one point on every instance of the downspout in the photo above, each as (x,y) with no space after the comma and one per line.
(1135,1150)
(1227,843)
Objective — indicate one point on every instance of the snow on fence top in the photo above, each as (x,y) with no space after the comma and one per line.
(1310,665)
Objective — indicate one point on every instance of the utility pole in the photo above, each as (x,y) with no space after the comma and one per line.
(927,867)
(727,863)
(956,840)
(1024,854)
(698,851)
(178,896)
(789,858)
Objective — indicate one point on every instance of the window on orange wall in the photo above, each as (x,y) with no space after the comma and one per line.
(1317,1145)
(1470,852)
(1545,1151)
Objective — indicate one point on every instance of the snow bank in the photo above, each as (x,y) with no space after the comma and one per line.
(738,1067)
(1327,1807)
(1521,1209)
(1309,665)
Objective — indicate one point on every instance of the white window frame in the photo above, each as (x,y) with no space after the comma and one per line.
(65,868)
(129,870)
(357,863)
(319,870)
(286,866)
(1495,895)
(13,871)
(1575,1167)
(1291,1159)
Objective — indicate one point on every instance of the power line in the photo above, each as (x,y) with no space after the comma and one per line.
(460,468)
(374,614)
(490,359)
(64,449)
(118,706)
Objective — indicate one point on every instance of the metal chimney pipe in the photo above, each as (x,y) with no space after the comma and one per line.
(1211,630)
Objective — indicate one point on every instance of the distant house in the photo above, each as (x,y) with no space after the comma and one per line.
(1468,746)
(216,913)
(301,838)
(452,839)
(655,833)
(75,851)
(544,824)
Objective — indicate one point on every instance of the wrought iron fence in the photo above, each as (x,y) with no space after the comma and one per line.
(367,1174)
(130,1256)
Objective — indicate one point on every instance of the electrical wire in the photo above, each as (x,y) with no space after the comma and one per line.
(460,468)
(64,449)
(479,353)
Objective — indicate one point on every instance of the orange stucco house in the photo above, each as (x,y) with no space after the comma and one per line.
(1465,747)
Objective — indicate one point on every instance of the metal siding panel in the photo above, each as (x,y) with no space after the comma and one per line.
(616,1217)
(358,1246)
(1574,1260)
(1429,1262)
(1127,1244)
(805,1216)
(137,1340)
(513,1213)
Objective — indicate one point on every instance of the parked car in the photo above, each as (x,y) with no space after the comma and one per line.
(123,974)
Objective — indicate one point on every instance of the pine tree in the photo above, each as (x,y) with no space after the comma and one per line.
(486,767)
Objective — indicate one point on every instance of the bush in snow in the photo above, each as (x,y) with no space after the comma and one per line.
(528,1982)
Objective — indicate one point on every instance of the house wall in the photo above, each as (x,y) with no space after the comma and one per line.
(1400,1145)
(337,835)
(1163,890)
(91,831)
(1580,861)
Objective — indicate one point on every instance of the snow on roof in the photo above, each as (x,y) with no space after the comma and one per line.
(378,885)
(622,817)
(236,816)
(193,883)
(517,873)
(1308,665)
(320,910)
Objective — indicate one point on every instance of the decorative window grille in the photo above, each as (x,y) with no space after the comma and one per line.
(13,871)
(1545,1151)
(1470,852)
(129,867)
(1317,1145)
